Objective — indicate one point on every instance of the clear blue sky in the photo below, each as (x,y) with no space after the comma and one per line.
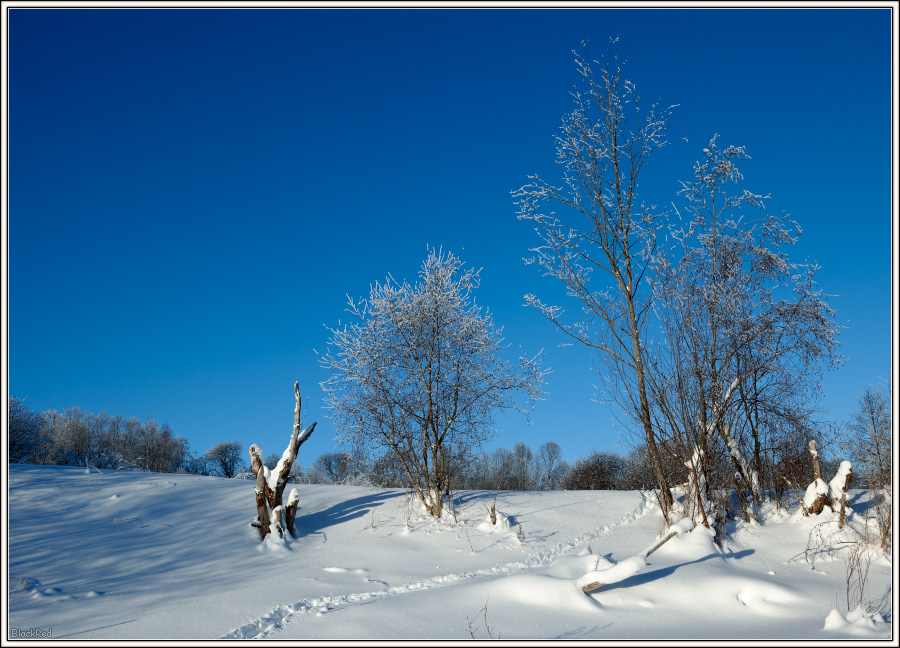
(193,192)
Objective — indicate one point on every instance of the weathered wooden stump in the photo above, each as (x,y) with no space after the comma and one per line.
(272,515)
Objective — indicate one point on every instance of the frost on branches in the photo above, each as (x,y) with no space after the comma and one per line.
(601,244)
(419,374)
(744,334)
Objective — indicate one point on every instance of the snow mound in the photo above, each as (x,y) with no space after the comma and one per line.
(615,573)
(858,623)
(504,523)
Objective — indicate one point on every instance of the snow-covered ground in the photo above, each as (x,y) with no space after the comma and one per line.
(111,555)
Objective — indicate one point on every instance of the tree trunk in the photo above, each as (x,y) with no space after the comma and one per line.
(738,487)
(698,479)
(262,507)
(665,499)
(276,520)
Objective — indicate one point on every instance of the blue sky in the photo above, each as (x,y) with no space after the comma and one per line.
(194,192)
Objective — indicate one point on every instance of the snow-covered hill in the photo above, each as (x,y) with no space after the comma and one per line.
(111,555)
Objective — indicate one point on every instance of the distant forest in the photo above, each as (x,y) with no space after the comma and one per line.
(78,438)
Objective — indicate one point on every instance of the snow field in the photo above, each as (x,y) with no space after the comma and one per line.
(151,556)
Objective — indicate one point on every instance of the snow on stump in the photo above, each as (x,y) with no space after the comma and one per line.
(816,496)
(272,515)
(838,490)
(833,494)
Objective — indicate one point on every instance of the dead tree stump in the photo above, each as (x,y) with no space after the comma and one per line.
(839,487)
(817,505)
(820,494)
(272,515)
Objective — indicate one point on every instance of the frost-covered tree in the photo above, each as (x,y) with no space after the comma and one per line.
(744,333)
(601,244)
(195,465)
(109,442)
(419,373)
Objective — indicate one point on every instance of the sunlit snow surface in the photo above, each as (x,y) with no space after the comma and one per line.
(153,556)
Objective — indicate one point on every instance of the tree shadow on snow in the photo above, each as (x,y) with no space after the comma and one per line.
(644,578)
(463,497)
(314,523)
(111,625)
(581,632)
(861,501)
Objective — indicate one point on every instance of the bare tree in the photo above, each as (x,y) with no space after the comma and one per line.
(337,467)
(602,247)
(867,439)
(198,465)
(523,476)
(225,458)
(551,466)
(419,374)
(637,473)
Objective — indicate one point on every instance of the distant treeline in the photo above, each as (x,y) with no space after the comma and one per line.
(522,469)
(519,468)
(78,438)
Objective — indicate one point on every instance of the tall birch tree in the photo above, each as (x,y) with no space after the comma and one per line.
(601,245)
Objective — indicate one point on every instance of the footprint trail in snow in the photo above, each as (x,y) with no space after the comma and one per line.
(270,623)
